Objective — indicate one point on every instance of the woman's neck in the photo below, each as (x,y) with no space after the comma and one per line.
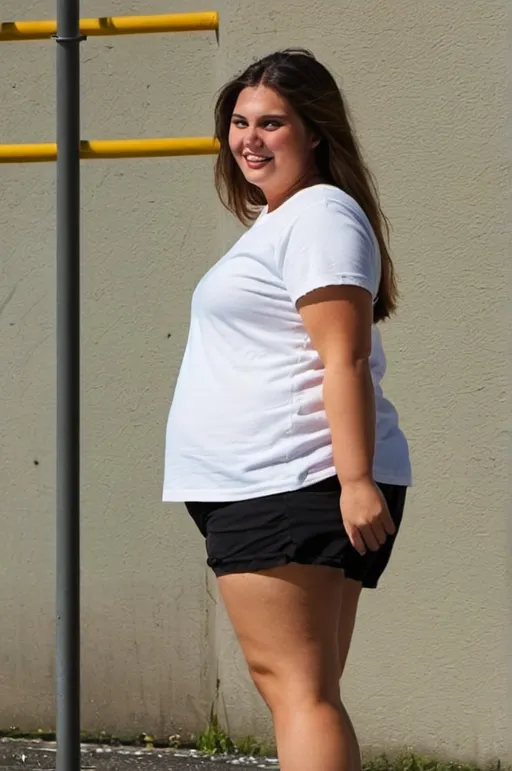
(308,180)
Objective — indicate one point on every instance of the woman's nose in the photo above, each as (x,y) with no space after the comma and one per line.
(253,135)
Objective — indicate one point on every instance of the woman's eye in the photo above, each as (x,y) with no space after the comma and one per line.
(268,124)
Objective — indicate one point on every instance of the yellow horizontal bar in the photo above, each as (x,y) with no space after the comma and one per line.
(112,148)
(114,25)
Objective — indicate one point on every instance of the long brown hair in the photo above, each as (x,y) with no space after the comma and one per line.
(312,92)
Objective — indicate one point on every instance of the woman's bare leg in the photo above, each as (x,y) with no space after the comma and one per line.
(286,620)
(350,593)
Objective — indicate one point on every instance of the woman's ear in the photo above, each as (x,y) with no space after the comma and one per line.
(315,141)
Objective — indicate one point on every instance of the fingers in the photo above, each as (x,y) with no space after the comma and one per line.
(356,540)
(362,538)
(368,535)
(372,536)
(379,534)
(387,523)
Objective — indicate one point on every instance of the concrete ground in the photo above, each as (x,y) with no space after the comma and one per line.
(31,755)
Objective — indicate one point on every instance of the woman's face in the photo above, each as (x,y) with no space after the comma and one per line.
(271,144)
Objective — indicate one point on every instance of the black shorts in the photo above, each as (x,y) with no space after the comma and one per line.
(303,526)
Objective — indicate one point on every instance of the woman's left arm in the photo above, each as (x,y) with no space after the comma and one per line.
(339,321)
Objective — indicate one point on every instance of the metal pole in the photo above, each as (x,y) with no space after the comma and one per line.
(68,381)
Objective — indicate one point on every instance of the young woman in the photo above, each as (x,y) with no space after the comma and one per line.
(279,439)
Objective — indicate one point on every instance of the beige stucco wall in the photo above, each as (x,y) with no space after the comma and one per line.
(426,84)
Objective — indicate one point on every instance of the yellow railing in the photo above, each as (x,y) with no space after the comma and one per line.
(112,148)
(115,148)
(114,25)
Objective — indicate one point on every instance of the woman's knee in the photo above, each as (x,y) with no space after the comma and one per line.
(298,688)
(266,681)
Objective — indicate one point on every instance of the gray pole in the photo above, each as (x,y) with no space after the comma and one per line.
(68,384)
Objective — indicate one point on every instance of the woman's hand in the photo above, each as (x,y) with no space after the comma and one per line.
(365,515)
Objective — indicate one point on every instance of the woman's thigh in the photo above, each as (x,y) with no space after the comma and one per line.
(286,620)
(350,595)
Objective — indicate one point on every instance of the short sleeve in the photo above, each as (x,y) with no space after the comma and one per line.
(330,243)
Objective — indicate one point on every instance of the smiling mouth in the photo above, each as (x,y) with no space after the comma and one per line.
(256,161)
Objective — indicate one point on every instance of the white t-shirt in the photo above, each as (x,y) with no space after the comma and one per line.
(247,418)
